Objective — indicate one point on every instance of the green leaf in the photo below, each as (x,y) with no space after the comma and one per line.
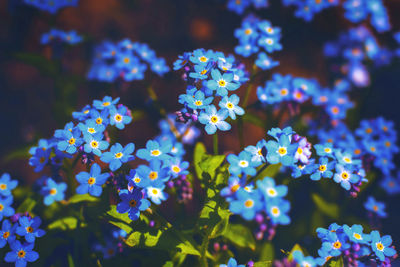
(329,209)
(335,262)
(80,198)
(263,264)
(26,206)
(199,151)
(168,264)
(210,163)
(124,217)
(70,261)
(67,223)
(22,153)
(267,252)
(240,235)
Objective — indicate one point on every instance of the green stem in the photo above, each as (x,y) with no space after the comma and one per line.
(203,250)
(258,173)
(215,143)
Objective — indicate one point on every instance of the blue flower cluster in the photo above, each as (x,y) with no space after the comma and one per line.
(239,6)
(256,35)
(52,6)
(17,227)
(307,9)
(210,75)
(355,48)
(291,90)
(374,142)
(359,10)
(231,263)
(126,60)
(88,137)
(354,246)
(59,36)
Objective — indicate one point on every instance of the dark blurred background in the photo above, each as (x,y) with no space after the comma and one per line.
(34,102)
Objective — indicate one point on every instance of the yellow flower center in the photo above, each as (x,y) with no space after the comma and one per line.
(327,150)
(357,151)
(375,208)
(198,103)
(71,141)
(3,186)
(299,150)
(1,207)
(94,144)
(176,169)
(136,180)
(243,163)
(229,105)
(6,235)
(203,59)
(346,159)
(132,203)
(322,168)
(91,130)
(271,192)
(379,246)
(282,151)
(357,236)
(154,191)
(155,152)
(21,253)
(275,211)
(153,175)
(118,118)
(203,72)
(387,144)
(222,83)
(99,120)
(345,175)
(29,229)
(106,104)
(235,188)
(337,245)
(118,155)
(284,91)
(249,203)
(53,191)
(373,149)
(335,110)
(214,119)
(248,31)
(127,60)
(368,130)
(86,111)
(91,180)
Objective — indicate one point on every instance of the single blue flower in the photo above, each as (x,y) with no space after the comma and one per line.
(214,120)
(39,159)
(106,103)
(355,234)
(30,228)
(53,191)
(118,155)
(303,261)
(270,190)
(120,117)
(375,207)
(241,164)
(5,207)
(91,182)
(155,150)
(21,254)
(231,104)
(83,114)
(281,151)
(6,185)
(155,174)
(7,233)
(132,202)
(345,177)
(246,204)
(90,127)
(258,152)
(177,167)
(276,209)
(94,144)
(265,62)
(324,150)
(199,101)
(322,169)
(381,245)
(222,83)
(101,118)
(70,141)
(159,66)
(156,194)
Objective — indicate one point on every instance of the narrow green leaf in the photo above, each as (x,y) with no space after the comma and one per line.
(240,235)
(254,120)
(116,215)
(168,264)
(67,223)
(267,252)
(26,206)
(70,261)
(199,151)
(329,209)
(263,264)
(80,198)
